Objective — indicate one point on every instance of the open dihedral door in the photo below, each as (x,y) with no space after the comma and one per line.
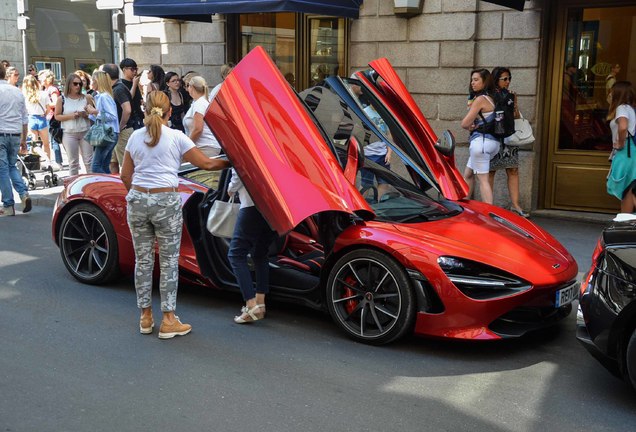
(288,167)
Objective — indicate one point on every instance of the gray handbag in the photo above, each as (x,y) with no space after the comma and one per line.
(222,218)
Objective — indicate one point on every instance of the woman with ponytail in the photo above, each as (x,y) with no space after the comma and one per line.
(150,173)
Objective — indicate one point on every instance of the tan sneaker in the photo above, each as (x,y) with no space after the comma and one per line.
(146,324)
(168,331)
(7,211)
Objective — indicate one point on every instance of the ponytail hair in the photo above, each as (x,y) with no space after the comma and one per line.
(157,110)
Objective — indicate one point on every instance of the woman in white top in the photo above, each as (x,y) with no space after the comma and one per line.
(37,105)
(622,120)
(70,110)
(150,173)
(483,147)
(195,127)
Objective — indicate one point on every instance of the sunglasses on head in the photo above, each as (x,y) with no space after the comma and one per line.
(505,79)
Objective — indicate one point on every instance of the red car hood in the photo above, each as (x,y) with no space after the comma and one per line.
(279,153)
(392,92)
(515,245)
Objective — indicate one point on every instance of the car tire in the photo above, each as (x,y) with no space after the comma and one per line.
(88,245)
(630,359)
(370,297)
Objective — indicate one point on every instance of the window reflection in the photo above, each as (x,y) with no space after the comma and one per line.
(598,39)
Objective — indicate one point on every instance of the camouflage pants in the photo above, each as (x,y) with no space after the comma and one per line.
(156,217)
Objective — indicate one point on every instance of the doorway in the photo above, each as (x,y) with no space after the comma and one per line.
(593,44)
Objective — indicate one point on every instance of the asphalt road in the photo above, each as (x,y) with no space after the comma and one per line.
(72,359)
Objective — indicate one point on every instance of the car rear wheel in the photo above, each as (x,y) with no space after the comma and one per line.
(630,359)
(88,245)
(369,296)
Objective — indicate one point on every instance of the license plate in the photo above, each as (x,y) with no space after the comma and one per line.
(566,295)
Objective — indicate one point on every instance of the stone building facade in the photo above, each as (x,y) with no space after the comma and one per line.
(433,52)
(10,37)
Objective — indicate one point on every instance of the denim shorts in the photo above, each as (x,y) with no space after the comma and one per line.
(37,122)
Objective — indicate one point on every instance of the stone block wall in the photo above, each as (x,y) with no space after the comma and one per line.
(434,53)
(10,36)
(175,45)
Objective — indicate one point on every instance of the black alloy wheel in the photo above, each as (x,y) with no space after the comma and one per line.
(370,297)
(88,245)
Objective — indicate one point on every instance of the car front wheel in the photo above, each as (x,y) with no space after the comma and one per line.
(369,296)
(88,245)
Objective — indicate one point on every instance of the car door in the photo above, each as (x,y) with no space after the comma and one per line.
(383,83)
(285,162)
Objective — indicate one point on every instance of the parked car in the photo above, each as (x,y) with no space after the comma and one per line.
(407,253)
(606,320)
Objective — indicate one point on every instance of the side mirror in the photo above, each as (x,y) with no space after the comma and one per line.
(446,143)
(355,160)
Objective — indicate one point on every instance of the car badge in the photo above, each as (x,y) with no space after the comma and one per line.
(556,266)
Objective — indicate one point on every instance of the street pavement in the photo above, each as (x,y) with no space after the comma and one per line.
(72,359)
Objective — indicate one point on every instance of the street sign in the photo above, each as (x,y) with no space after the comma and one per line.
(23,6)
(110,4)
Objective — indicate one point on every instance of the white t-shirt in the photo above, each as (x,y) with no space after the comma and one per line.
(627,112)
(377,148)
(40,107)
(207,138)
(214,91)
(158,166)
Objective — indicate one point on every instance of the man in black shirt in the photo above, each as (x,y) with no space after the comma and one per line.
(130,79)
(128,100)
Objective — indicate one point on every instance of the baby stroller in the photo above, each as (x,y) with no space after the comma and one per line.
(30,165)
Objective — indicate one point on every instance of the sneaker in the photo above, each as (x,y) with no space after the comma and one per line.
(26,203)
(168,331)
(146,324)
(7,211)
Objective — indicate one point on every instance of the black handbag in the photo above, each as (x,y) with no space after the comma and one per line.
(55,130)
(55,127)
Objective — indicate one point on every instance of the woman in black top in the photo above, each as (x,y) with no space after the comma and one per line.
(173,85)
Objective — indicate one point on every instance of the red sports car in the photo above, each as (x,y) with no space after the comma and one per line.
(385,249)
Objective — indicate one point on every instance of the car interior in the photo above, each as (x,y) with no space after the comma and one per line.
(297,257)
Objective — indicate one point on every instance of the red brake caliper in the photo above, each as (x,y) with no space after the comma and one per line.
(350,305)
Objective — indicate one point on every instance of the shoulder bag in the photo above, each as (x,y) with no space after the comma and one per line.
(222,218)
(100,133)
(523,133)
(55,126)
(623,170)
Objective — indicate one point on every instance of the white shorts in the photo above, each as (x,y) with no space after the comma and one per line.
(482,150)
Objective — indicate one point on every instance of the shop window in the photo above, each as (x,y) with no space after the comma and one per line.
(306,48)
(597,41)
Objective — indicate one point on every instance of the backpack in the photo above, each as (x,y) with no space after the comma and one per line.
(502,124)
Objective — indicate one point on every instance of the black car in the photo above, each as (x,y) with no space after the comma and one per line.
(606,320)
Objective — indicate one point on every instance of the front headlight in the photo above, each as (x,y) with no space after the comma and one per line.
(480,281)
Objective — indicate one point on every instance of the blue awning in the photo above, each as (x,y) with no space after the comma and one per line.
(201,10)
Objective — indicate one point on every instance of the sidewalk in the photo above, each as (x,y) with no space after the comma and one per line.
(45,197)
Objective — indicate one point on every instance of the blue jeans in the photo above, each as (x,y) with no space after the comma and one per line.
(366,176)
(10,176)
(252,234)
(102,155)
(56,149)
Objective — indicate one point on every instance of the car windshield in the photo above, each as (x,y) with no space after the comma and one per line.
(393,188)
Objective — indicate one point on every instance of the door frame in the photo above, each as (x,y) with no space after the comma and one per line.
(551,118)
